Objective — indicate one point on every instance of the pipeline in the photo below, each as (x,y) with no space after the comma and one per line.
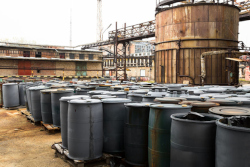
(203,67)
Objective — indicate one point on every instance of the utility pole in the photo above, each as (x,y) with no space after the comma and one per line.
(99,21)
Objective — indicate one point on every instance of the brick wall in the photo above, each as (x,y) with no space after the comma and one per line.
(44,64)
(9,72)
(66,65)
(94,66)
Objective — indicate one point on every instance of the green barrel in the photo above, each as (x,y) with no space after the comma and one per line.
(159,127)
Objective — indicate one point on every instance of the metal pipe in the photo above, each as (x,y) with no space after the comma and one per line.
(204,54)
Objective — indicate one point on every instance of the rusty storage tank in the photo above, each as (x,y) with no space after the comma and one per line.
(55,103)
(113,124)
(136,133)
(10,95)
(46,109)
(35,97)
(193,140)
(232,142)
(159,132)
(184,32)
(21,86)
(85,129)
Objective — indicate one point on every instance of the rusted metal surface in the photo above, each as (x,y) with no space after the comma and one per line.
(184,32)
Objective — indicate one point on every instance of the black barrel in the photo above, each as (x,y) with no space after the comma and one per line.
(85,129)
(46,109)
(36,102)
(113,124)
(21,86)
(150,98)
(193,140)
(232,142)
(64,118)
(137,98)
(117,94)
(136,133)
(159,132)
(10,95)
(55,103)
(27,84)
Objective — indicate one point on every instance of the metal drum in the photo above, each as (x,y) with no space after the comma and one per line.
(203,107)
(135,97)
(245,101)
(21,86)
(64,118)
(46,109)
(113,124)
(36,102)
(85,129)
(169,100)
(226,102)
(150,98)
(96,92)
(230,111)
(28,97)
(102,97)
(10,95)
(117,94)
(136,133)
(25,94)
(193,140)
(159,132)
(232,142)
(55,103)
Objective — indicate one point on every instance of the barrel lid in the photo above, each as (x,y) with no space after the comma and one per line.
(8,84)
(97,91)
(202,117)
(144,104)
(115,93)
(136,95)
(230,111)
(154,96)
(205,104)
(140,91)
(170,99)
(38,88)
(62,90)
(216,90)
(187,102)
(67,98)
(240,99)
(199,98)
(225,101)
(102,96)
(81,96)
(88,101)
(48,90)
(116,100)
(170,106)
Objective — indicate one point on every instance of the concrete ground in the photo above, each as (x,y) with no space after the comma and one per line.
(23,144)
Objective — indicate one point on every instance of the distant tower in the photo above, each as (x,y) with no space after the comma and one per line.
(70,27)
(99,21)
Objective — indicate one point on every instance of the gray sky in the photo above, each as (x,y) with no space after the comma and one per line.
(48,21)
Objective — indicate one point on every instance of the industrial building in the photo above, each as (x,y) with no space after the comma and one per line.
(42,61)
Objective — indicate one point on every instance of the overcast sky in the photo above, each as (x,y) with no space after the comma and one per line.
(48,21)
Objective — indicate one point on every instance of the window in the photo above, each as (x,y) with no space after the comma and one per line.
(26,53)
(62,55)
(38,54)
(91,57)
(142,73)
(81,56)
(71,56)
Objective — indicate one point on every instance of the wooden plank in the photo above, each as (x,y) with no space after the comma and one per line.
(173,52)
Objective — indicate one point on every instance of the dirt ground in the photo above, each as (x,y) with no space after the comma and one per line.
(23,144)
